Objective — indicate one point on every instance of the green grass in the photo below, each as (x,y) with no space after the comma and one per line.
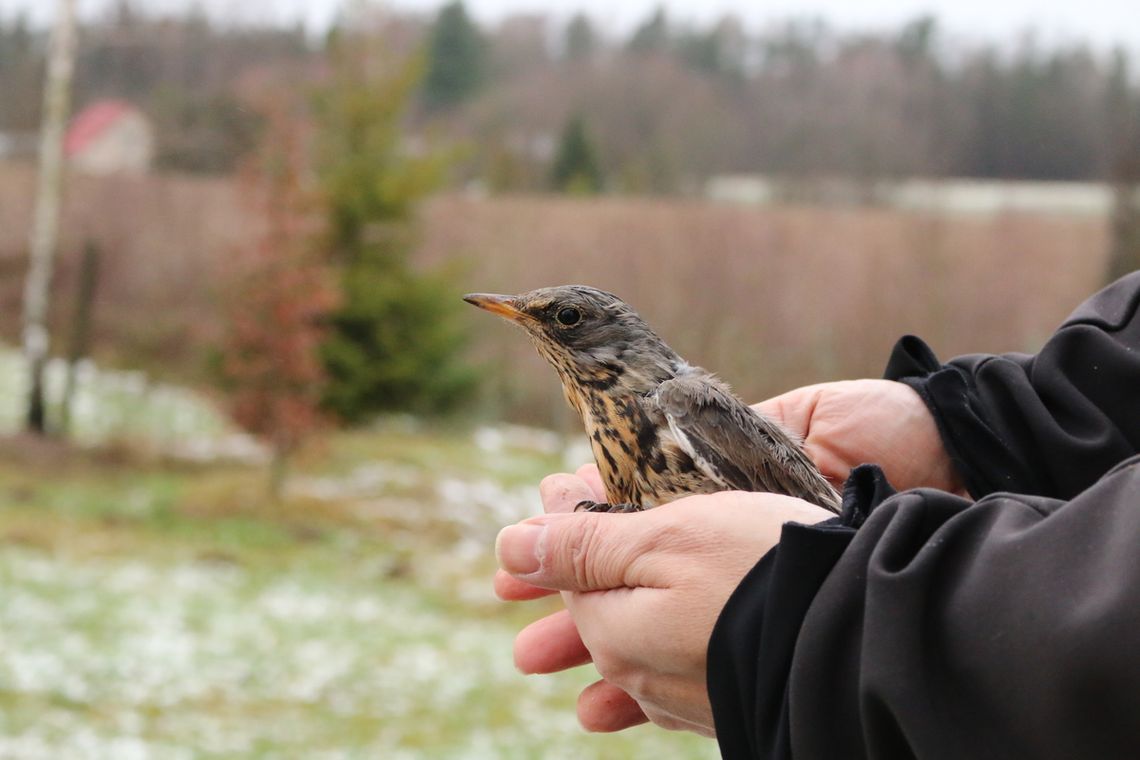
(156,610)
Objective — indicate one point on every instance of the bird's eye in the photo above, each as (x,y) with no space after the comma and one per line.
(568,316)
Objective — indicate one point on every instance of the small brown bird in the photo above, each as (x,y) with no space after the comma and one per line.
(659,428)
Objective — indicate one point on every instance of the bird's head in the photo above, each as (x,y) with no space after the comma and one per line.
(593,338)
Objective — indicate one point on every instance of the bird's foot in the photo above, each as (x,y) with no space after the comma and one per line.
(596,506)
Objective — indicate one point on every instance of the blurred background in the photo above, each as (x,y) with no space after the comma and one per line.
(254,450)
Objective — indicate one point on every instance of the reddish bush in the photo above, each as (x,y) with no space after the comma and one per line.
(278,295)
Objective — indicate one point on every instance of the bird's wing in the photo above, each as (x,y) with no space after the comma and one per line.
(736,445)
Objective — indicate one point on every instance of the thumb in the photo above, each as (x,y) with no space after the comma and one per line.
(580,551)
(793,410)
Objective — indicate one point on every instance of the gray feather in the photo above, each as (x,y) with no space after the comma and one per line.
(736,444)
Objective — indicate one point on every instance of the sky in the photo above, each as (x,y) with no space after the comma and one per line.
(1102,23)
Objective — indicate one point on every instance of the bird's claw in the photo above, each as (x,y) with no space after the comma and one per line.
(588,505)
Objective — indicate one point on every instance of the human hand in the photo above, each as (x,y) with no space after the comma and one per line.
(847,423)
(642,593)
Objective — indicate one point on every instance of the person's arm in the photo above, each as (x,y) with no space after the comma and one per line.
(1048,424)
(1003,628)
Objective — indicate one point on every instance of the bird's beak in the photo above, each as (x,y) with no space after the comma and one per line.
(504,306)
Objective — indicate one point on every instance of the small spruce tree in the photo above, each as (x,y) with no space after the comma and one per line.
(394,343)
(455,58)
(652,36)
(576,168)
(580,39)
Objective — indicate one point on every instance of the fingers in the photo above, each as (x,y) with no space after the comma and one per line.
(511,589)
(792,410)
(562,492)
(581,551)
(549,645)
(603,707)
(831,463)
(567,551)
(593,478)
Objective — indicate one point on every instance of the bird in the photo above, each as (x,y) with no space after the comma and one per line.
(659,428)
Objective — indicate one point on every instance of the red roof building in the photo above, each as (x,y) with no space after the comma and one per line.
(108,137)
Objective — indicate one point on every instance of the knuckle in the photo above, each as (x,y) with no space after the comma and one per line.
(662,719)
(638,684)
(583,552)
(670,723)
(676,529)
(620,673)
(671,531)
(608,666)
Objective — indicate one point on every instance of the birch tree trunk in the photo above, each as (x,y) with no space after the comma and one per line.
(45,226)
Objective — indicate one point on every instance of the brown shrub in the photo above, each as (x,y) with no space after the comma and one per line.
(773,298)
(769,298)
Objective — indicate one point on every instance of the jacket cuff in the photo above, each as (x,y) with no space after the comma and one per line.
(750,650)
(945,389)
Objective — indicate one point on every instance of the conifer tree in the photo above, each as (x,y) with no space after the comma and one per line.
(581,41)
(456,58)
(576,168)
(394,342)
(652,36)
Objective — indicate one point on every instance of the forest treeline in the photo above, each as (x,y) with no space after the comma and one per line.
(656,110)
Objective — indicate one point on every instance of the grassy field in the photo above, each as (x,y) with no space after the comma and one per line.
(149,609)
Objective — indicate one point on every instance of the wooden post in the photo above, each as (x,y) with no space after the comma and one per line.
(1124,134)
(44,237)
(1125,255)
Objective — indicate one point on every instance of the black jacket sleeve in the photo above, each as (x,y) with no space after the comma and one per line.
(1006,628)
(1049,424)
(921,625)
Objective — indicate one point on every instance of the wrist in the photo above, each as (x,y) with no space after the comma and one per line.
(928,462)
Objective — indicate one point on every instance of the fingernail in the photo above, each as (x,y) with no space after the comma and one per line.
(517,548)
